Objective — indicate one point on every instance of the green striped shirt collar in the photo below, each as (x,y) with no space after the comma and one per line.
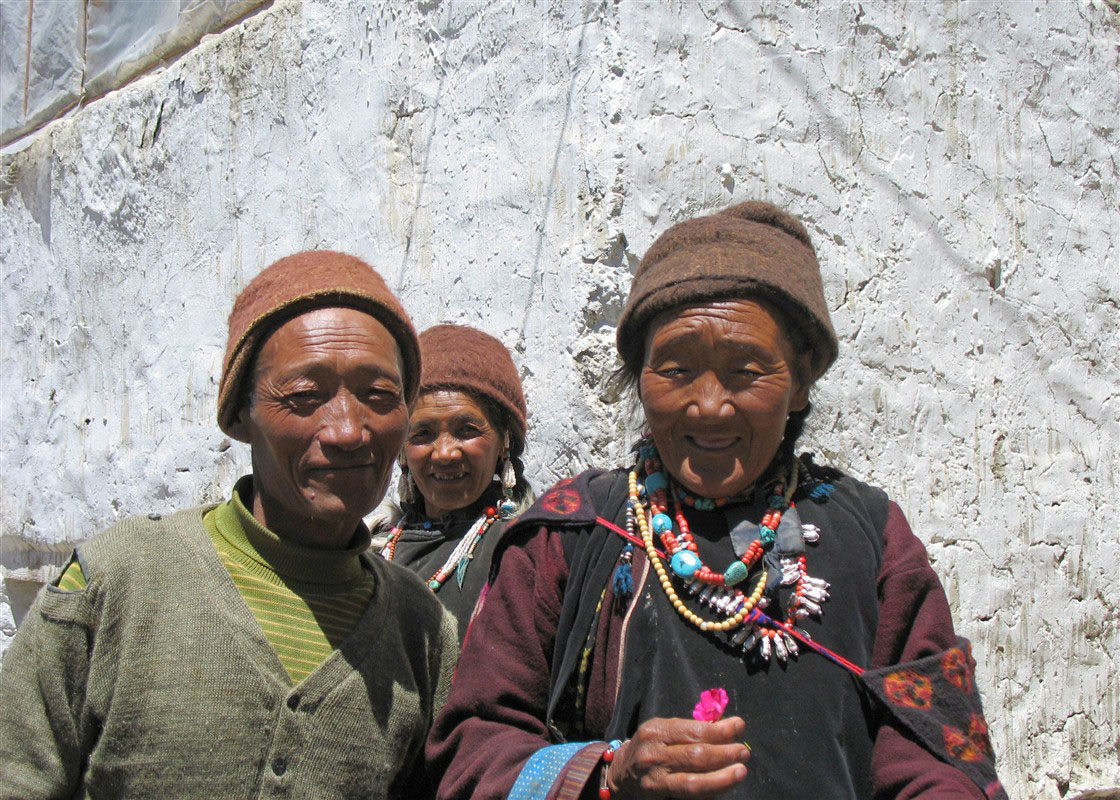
(237,525)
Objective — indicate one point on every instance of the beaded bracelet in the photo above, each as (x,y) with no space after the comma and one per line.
(608,757)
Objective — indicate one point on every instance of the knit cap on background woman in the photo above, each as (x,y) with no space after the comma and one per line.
(462,478)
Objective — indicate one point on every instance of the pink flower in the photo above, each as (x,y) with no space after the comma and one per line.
(711,705)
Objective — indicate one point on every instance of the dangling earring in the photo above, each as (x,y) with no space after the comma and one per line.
(406,489)
(509,482)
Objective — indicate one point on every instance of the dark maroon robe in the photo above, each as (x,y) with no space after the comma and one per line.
(513,692)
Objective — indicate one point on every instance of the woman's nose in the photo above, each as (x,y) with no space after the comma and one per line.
(710,397)
(446,448)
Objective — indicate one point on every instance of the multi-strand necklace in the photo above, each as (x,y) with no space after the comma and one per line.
(718,590)
(460,558)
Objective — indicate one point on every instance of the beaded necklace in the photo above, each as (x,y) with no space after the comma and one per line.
(717,590)
(460,557)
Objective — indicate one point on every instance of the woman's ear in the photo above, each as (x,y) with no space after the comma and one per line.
(800,398)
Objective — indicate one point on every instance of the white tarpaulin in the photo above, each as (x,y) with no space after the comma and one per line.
(57,53)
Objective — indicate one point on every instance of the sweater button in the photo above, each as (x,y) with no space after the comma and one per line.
(293,701)
(279,765)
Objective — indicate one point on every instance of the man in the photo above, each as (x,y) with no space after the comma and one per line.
(254,648)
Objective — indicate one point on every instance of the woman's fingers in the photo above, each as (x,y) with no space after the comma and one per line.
(679,731)
(680,758)
(697,785)
(704,757)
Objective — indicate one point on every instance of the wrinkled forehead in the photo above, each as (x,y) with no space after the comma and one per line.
(324,334)
(750,313)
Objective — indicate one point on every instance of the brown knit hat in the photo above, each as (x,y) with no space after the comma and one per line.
(298,284)
(750,250)
(460,357)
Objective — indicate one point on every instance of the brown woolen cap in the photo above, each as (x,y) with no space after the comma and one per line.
(461,357)
(298,284)
(753,249)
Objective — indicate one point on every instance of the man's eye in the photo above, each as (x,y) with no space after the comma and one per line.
(381,394)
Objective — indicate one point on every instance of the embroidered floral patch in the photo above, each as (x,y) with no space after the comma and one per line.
(909,688)
(936,699)
(971,746)
(561,501)
(954,667)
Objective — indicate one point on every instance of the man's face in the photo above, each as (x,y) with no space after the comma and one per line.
(325,423)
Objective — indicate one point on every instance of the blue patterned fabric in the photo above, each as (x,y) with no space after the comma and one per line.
(541,771)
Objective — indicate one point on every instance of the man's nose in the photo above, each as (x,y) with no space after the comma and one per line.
(343,423)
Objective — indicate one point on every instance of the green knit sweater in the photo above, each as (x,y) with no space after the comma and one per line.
(306,601)
(156,681)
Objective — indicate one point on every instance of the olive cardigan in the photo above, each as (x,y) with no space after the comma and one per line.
(156,681)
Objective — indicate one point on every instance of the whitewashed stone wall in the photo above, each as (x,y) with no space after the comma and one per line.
(505,164)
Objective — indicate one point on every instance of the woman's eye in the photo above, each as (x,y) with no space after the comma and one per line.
(672,372)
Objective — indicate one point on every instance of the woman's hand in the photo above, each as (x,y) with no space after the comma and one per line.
(680,758)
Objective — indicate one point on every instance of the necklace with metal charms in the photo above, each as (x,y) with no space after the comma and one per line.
(460,558)
(717,590)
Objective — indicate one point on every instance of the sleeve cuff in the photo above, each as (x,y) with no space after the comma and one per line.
(557,772)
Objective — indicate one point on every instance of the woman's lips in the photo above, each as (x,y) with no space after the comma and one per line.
(712,442)
(458,476)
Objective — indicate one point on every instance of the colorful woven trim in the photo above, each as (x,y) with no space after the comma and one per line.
(546,770)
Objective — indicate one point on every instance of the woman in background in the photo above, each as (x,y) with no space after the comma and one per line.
(462,478)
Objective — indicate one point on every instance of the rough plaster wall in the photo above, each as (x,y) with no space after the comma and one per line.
(506,164)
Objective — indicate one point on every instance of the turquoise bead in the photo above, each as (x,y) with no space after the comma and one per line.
(766,535)
(662,523)
(433,585)
(704,504)
(507,507)
(684,564)
(655,482)
(735,573)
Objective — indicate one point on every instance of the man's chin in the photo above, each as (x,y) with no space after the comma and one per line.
(334,509)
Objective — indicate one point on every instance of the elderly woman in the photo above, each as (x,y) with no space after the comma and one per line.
(652,628)
(466,429)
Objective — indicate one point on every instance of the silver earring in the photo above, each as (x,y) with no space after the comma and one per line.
(509,475)
(405,487)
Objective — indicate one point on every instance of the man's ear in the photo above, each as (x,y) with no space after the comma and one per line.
(239,427)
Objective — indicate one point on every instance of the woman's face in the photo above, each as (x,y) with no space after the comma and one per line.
(717,384)
(452,450)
